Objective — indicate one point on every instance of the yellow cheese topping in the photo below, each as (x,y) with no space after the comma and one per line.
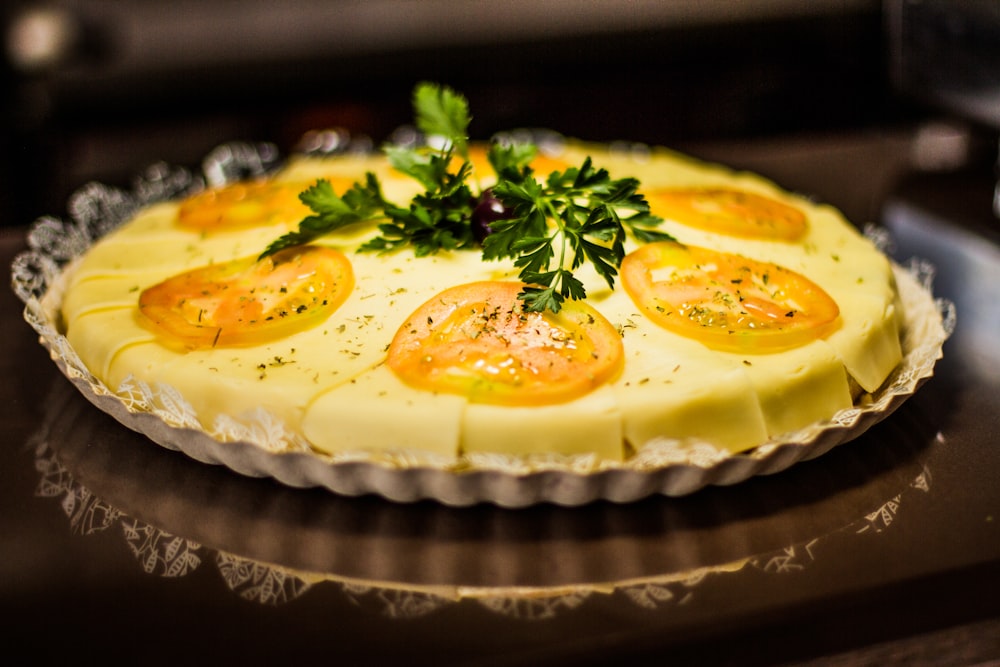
(332,379)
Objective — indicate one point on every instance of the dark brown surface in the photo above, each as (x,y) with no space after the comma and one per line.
(884,551)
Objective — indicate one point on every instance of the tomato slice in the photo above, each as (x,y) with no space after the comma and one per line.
(476,340)
(248,301)
(247,204)
(729,211)
(727,301)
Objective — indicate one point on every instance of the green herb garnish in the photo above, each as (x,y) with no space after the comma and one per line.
(332,211)
(576,216)
(549,228)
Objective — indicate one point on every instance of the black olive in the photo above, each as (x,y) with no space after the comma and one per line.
(489,209)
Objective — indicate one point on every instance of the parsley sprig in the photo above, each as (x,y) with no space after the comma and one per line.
(575,216)
(332,211)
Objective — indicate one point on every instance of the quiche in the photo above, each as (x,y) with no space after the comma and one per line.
(511,322)
(765,314)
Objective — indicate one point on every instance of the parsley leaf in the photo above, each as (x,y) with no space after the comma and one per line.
(435,220)
(442,112)
(510,161)
(332,212)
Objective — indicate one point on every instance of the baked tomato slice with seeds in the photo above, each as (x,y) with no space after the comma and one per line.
(248,301)
(476,340)
(729,211)
(727,301)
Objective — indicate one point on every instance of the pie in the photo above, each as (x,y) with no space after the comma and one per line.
(766,315)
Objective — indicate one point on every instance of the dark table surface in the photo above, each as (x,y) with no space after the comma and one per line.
(884,551)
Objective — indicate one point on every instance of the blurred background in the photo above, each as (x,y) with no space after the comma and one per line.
(837,98)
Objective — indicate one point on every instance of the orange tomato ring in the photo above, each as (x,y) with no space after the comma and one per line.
(727,301)
(244,204)
(247,301)
(475,340)
(729,211)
